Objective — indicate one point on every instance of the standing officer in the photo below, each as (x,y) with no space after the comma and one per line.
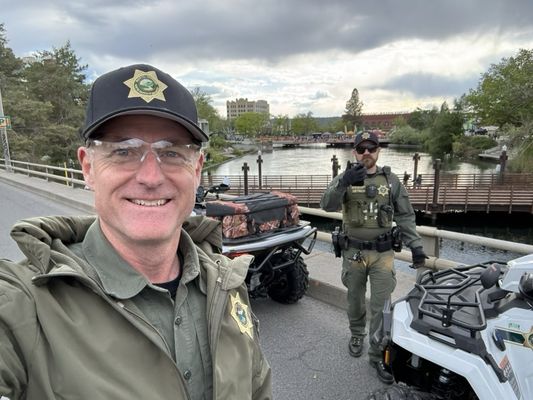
(137,302)
(371,198)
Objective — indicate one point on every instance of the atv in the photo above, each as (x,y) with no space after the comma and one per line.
(278,269)
(462,333)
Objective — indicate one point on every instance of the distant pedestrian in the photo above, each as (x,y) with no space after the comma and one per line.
(406,177)
(418,181)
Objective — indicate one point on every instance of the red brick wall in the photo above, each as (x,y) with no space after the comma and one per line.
(384,121)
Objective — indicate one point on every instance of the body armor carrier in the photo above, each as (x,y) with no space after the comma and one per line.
(367,209)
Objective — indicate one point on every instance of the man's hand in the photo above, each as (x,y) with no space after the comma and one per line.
(354,176)
(419,257)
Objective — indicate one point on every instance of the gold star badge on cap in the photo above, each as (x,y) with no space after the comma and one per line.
(365,135)
(146,85)
(241,315)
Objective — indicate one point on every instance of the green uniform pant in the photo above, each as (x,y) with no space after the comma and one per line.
(379,269)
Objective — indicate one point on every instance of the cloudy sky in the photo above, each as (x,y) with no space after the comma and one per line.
(299,55)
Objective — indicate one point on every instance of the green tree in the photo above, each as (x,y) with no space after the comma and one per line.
(336,126)
(505,92)
(57,77)
(468,147)
(304,124)
(46,99)
(251,124)
(207,111)
(521,143)
(280,125)
(446,129)
(10,65)
(422,119)
(408,135)
(352,116)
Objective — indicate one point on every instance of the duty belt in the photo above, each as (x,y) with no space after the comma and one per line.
(381,244)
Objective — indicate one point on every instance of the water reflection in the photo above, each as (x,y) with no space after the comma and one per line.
(316,160)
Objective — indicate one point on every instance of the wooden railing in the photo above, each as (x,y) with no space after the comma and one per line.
(455,192)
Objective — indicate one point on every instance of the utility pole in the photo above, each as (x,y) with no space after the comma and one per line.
(3,134)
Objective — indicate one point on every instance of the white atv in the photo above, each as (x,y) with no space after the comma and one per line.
(462,333)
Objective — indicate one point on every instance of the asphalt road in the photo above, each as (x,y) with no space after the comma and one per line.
(305,343)
(17,204)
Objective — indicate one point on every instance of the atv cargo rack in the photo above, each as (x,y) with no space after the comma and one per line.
(450,306)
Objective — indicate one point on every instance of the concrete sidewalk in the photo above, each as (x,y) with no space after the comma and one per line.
(324,269)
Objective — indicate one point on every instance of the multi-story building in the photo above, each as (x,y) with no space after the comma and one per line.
(241,106)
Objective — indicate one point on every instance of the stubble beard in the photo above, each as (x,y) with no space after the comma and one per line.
(368,162)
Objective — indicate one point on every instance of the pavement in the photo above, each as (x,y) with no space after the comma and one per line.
(324,269)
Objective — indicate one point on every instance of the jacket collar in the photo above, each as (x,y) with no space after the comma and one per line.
(118,278)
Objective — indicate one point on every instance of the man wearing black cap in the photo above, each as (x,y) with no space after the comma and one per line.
(371,198)
(136,303)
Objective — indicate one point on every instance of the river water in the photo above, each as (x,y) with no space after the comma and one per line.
(316,160)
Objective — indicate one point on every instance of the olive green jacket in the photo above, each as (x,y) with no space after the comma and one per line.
(404,216)
(62,337)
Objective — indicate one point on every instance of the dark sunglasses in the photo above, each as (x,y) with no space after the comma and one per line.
(361,149)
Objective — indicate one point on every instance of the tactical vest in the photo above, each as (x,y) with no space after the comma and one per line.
(367,210)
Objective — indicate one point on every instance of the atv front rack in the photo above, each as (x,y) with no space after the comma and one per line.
(453,297)
(450,305)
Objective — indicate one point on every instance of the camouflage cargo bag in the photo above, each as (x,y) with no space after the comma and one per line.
(254,214)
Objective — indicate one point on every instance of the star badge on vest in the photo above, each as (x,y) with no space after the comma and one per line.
(241,315)
(383,190)
(146,85)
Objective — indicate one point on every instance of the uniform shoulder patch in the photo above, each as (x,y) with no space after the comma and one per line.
(241,314)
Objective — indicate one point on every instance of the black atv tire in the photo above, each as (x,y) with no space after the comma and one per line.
(400,392)
(291,284)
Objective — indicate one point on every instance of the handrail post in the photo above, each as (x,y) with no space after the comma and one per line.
(436,182)
(245,169)
(259,162)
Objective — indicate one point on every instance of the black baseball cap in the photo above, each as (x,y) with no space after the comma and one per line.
(140,89)
(366,136)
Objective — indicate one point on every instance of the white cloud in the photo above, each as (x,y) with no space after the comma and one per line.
(299,55)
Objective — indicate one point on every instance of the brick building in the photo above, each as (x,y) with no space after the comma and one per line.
(383,121)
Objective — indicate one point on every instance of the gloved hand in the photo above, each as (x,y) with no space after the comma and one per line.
(354,176)
(419,257)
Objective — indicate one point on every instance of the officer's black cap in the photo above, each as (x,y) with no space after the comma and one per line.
(140,90)
(366,136)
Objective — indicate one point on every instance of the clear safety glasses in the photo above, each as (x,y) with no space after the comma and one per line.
(130,153)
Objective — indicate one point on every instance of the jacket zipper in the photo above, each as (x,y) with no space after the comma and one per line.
(217,305)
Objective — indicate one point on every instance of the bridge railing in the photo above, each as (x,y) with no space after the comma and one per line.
(430,235)
(68,176)
(456,192)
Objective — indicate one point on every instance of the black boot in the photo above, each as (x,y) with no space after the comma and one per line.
(355,346)
(383,372)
